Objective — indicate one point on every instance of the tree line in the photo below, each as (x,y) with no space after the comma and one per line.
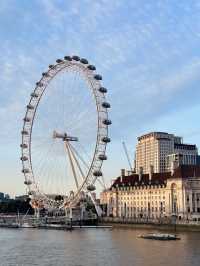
(13,206)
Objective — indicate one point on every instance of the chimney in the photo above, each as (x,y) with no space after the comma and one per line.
(122,175)
(140,173)
(150,172)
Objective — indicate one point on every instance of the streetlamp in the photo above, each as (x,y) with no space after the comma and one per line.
(174,212)
(161,211)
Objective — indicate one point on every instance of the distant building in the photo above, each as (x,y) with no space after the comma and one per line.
(155,195)
(158,151)
(6,196)
(22,197)
(1,196)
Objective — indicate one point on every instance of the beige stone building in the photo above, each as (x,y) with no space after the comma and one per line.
(155,196)
(158,151)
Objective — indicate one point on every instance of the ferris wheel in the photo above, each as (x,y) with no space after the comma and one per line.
(64,135)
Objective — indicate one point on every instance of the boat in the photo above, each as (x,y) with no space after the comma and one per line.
(10,225)
(28,225)
(157,236)
(56,227)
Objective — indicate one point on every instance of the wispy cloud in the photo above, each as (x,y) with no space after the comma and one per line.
(147,52)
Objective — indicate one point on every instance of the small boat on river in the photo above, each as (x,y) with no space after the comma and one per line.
(10,225)
(157,236)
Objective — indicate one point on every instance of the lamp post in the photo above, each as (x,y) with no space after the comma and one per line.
(161,211)
(174,212)
(70,216)
(149,211)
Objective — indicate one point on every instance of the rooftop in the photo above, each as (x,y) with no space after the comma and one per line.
(183,171)
(154,134)
(185,146)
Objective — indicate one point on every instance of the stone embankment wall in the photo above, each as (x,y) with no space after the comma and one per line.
(149,223)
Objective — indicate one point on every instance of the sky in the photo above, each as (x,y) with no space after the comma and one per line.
(147,52)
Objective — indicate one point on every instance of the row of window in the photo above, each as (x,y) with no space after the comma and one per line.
(136,203)
(144,192)
(142,209)
(194,210)
(141,198)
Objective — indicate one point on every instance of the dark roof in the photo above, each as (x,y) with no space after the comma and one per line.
(152,133)
(184,171)
(184,146)
(133,180)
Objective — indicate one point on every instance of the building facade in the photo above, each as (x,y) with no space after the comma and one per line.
(158,151)
(155,196)
(1,196)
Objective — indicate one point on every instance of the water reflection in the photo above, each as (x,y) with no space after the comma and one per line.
(90,247)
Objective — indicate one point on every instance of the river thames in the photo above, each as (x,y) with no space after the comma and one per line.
(90,247)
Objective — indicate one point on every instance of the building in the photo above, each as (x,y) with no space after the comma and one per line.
(155,195)
(4,197)
(1,196)
(22,198)
(187,152)
(158,151)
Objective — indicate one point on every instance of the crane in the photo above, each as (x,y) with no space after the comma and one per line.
(127,156)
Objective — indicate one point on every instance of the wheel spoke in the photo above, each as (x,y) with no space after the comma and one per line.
(67,108)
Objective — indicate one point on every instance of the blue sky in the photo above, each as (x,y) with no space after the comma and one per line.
(147,52)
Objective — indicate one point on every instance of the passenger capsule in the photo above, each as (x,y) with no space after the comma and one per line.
(34,95)
(28,182)
(23,146)
(102,157)
(24,132)
(76,58)
(107,122)
(91,67)
(27,119)
(59,61)
(84,61)
(102,90)
(98,77)
(106,139)
(25,171)
(45,74)
(30,107)
(39,84)
(91,188)
(51,66)
(24,158)
(68,58)
(105,105)
(71,194)
(97,173)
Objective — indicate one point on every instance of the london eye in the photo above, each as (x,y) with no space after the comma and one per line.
(64,135)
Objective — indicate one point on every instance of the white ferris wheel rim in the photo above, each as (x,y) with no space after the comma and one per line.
(87,72)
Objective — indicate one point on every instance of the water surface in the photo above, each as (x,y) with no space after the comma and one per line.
(91,247)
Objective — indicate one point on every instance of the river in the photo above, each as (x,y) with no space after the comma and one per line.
(95,247)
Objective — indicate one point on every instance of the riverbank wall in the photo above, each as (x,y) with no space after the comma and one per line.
(152,225)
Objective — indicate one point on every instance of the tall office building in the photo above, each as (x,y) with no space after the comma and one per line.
(158,152)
